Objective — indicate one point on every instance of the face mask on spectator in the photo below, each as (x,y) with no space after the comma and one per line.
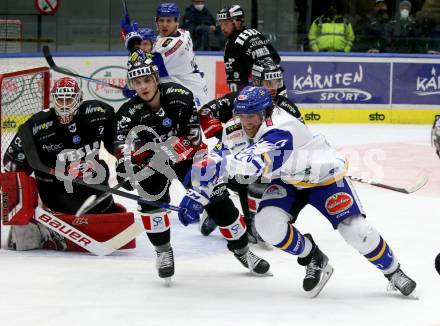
(404,13)
(199,7)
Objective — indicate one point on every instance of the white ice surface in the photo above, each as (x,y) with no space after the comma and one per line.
(210,287)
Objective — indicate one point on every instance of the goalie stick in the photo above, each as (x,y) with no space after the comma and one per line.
(83,240)
(416,185)
(64,71)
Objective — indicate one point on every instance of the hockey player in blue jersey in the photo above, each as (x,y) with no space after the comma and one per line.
(272,146)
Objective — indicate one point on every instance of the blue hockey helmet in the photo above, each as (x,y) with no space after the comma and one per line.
(167,9)
(147,34)
(253,100)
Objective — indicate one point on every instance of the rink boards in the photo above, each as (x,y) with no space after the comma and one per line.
(337,88)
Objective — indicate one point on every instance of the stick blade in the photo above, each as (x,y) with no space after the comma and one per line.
(418,184)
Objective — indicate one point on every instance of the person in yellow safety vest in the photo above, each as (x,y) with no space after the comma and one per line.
(331,32)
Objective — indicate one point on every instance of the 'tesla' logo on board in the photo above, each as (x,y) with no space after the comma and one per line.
(110,74)
(332,87)
(428,85)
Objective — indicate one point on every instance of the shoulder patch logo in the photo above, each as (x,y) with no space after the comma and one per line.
(231,129)
(167,42)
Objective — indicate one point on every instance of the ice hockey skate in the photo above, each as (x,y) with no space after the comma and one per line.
(257,266)
(165,265)
(318,270)
(399,281)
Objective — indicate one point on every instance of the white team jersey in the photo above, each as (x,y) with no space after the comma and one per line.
(282,148)
(179,64)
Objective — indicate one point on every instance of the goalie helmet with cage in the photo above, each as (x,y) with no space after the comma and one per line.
(435,134)
(67,97)
(232,12)
(140,65)
(267,73)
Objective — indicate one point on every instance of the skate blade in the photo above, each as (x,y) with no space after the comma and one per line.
(326,274)
(414,295)
(167,281)
(268,273)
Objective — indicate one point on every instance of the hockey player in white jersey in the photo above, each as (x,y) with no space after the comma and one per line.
(174,55)
(268,144)
(435,141)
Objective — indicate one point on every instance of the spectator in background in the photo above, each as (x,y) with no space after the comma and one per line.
(331,32)
(374,30)
(404,31)
(202,26)
(428,18)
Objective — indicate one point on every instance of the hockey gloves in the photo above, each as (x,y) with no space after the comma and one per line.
(193,204)
(180,149)
(211,127)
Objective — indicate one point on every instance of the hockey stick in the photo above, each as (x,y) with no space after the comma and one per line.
(35,162)
(94,201)
(64,71)
(83,240)
(124,4)
(416,185)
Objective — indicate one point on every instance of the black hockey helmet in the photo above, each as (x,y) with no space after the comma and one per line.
(140,65)
(230,12)
(267,70)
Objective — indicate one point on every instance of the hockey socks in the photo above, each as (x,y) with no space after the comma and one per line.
(382,257)
(295,243)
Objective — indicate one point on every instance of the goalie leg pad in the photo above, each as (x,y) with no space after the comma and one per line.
(34,235)
(20,197)
(24,237)
(358,233)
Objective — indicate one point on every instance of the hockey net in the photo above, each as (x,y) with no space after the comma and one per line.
(22,93)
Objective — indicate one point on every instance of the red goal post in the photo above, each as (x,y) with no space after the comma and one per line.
(22,94)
